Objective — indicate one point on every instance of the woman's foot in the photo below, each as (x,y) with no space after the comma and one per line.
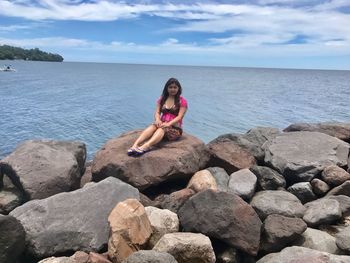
(141,150)
(132,150)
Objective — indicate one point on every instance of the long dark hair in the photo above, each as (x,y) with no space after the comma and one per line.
(165,93)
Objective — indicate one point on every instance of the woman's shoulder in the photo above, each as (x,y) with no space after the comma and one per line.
(183,101)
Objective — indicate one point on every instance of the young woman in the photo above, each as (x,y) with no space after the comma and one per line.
(171,108)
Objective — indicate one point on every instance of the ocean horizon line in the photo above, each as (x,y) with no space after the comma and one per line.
(189,65)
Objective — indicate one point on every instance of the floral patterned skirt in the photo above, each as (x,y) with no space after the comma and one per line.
(172,133)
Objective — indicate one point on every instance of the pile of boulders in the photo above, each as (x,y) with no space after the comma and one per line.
(263,196)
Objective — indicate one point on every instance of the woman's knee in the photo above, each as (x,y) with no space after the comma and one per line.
(160,131)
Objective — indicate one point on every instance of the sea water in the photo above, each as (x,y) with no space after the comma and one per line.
(94,102)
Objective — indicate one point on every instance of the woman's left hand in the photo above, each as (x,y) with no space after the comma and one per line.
(165,125)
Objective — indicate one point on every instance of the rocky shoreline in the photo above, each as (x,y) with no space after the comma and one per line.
(264,196)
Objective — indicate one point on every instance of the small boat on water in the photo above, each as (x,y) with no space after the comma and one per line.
(7,69)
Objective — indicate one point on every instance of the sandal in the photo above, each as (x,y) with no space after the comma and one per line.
(139,152)
(131,151)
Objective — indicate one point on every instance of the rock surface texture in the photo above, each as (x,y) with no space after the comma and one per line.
(300,156)
(72,221)
(171,161)
(43,168)
(239,224)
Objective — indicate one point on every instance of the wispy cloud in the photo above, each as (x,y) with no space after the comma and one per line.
(255,28)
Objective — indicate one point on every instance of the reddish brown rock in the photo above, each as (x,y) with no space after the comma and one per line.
(87,176)
(334,175)
(229,155)
(170,161)
(319,187)
(175,200)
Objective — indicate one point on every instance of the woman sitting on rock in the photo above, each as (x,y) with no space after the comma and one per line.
(171,108)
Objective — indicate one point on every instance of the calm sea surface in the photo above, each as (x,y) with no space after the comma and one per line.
(94,102)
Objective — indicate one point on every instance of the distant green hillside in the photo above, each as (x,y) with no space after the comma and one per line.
(9,52)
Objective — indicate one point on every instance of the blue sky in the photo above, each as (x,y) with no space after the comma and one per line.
(255,33)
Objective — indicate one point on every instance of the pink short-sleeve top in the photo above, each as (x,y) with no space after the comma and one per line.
(170,114)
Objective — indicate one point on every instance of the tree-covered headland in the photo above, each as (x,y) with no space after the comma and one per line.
(35,54)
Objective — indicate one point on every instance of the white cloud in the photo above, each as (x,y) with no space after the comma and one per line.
(252,30)
(10,28)
(231,47)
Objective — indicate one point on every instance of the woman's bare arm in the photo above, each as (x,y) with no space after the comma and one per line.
(179,117)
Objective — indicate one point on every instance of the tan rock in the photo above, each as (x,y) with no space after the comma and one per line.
(97,258)
(163,221)
(202,180)
(130,229)
(80,257)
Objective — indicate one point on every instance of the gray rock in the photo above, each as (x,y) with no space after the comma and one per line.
(223,216)
(9,200)
(277,202)
(221,177)
(150,256)
(343,240)
(302,255)
(339,130)
(322,211)
(268,179)
(279,231)
(243,184)
(43,168)
(344,202)
(303,191)
(319,187)
(58,260)
(300,156)
(12,237)
(343,189)
(334,175)
(318,240)
(259,136)
(187,247)
(72,221)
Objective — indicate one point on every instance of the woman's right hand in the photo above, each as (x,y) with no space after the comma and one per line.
(158,123)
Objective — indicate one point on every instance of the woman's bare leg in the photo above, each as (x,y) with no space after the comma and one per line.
(146,134)
(156,138)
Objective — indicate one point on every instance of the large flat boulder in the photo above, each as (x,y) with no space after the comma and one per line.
(300,156)
(41,168)
(301,255)
(171,161)
(223,216)
(339,130)
(72,221)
